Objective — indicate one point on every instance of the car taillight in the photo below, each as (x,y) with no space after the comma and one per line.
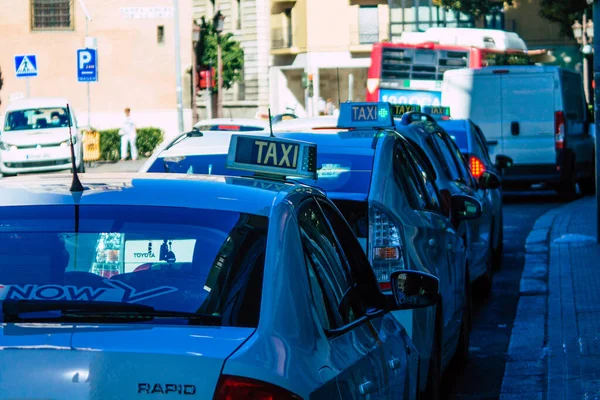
(385,247)
(238,388)
(372,85)
(477,167)
(559,130)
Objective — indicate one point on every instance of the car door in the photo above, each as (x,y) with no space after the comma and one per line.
(396,350)
(471,187)
(528,118)
(450,246)
(355,355)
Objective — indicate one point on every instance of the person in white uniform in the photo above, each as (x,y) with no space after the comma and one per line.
(128,135)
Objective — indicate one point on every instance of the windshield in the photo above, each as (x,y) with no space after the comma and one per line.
(173,259)
(36,118)
(211,164)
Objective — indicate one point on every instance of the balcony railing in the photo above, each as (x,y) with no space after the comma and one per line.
(364,35)
(280,38)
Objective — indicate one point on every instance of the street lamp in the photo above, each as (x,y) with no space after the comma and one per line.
(218,24)
(584,34)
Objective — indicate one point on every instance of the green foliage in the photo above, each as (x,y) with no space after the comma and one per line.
(564,12)
(476,8)
(146,141)
(232,53)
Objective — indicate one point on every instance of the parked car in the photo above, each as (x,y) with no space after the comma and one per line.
(536,115)
(473,145)
(271,298)
(35,137)
(446,164)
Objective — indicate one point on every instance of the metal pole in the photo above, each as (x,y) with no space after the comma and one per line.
(178,87)
(88,84)
(586,74)
(219,79)
(209,86)
(351,87)
(27,87)
(194,78)
(597,106)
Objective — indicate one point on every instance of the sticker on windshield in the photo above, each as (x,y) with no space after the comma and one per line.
(118,291)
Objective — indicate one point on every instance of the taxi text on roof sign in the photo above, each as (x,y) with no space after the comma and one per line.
(431,110)
(400,109)
(365,115)
(273,156)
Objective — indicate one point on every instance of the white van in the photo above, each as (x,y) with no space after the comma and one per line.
(34,137)
(537,115)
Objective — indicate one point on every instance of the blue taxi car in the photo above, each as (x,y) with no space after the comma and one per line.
(211,287)
(373,176)
(444,161)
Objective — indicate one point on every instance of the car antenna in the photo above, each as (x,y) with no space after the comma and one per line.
(76,185)
(270,123)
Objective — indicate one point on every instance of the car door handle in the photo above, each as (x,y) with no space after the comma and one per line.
(394,363)
(432,243)
(450,247)
(366,388)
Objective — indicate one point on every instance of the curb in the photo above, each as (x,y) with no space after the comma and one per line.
(525,369)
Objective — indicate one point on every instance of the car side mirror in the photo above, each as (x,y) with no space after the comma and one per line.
(489,180)
(414,289)
(465,207)
(503,161)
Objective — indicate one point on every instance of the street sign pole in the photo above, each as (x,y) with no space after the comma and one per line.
(597,107)
(27,87)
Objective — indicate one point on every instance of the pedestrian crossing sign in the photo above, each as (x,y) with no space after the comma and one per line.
(26,66)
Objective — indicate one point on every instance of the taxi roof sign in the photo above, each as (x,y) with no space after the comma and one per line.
(437,111)
(365,115)
(273,156)
(399,110)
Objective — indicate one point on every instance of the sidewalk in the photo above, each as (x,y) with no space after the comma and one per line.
(554,351)
(120,166)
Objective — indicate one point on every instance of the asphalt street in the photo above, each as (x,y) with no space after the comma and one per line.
(493,317)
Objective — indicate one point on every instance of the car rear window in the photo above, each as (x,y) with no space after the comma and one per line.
(460,138)
(173,259)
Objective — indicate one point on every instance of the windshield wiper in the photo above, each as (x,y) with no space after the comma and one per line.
(14,310)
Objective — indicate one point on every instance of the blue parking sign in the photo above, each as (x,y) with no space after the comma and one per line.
(87,65)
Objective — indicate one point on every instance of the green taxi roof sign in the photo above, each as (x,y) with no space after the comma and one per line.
(362,115)
(400,109)
(437,111)
(273,156)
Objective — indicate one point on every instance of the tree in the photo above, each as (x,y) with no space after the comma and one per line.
(232,53)
(563,12)
(476,8)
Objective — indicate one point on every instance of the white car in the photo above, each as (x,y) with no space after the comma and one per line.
(35,137)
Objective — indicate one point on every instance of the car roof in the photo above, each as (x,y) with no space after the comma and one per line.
(234,121)
(300,124)
(237,194)
(211,142)
(37,102)
(362,139)
(459,124)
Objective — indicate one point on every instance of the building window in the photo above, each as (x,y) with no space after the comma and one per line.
(495,20)
(368,24)
(418,15)
(160,34)
(288,27)
(52,14)
(238,16)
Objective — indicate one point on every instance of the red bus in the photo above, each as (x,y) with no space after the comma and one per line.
(412,73)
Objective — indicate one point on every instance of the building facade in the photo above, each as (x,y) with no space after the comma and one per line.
(329,42)
(248,20)
(136,57)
